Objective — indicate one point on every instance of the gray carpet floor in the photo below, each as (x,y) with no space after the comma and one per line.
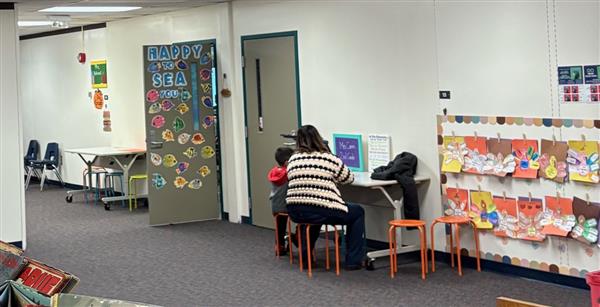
(117,255)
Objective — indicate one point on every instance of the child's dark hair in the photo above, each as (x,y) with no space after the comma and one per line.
(282,154)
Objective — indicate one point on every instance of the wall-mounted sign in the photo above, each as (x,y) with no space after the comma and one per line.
(99,77)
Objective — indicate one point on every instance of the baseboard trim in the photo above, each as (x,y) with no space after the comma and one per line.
(246,220)
(225,216)
(18,244)
(508,269)
(57,183)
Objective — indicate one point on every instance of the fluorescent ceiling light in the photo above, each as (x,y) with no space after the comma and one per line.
(34,23)
(89,9)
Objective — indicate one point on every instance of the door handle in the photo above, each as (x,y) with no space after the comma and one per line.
(156,145)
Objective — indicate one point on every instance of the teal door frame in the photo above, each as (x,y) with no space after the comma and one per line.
(294,34)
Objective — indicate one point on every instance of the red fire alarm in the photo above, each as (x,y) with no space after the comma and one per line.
(81,57)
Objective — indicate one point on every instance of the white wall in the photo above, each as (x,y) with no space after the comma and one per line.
(55,87)
(12,204)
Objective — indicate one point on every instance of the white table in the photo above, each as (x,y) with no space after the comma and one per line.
(124,157)
(363,180)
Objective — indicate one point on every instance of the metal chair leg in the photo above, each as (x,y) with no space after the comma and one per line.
(29,172)
(43,179)
(59,177)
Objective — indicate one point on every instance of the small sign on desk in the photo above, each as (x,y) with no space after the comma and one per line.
(348,147)
(378,150)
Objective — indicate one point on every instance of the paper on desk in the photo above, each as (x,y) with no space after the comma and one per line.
(379,150)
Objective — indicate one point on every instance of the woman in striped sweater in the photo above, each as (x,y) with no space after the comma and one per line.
(313,197)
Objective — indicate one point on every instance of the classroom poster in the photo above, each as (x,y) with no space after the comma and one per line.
(583,161)
(454,153)
(553,160)
(530,216)
(586,227)
(483,210)
(476,157)
(500,160)
(526,155)
(458,202)
(570,83)
(558,219)
(99,75)
(348,147)
(508,222)
(591,87)
(379,150)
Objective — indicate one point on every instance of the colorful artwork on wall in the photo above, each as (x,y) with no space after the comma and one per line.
(583,161)
(553,160)
(526,155)
(458,202)
(454,153)
(508,222)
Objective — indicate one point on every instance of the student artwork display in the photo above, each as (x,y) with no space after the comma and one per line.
(458,202)
(500,159)
(508,222)
(526,155)
(553,164)
(586,227)
(454,153)
(583,161)
(348,147)
(530,217)
(527,218)
(558,218)
(476,157)
(483,210)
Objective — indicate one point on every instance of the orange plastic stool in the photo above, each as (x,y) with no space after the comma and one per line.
(393,246)
(309,262)
(289,230)
(456,221)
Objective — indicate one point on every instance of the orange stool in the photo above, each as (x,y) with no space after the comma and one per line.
(289,230)
(309,262)
(393,248)
(457,221)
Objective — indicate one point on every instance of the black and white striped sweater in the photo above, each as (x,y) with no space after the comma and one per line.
(313,179)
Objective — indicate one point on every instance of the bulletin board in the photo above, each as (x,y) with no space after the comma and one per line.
(520,193)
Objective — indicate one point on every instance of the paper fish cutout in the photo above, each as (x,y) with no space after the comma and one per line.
(185,95)
(154,108)
(178,124)
(154,67)
(530,216)
(457,202)
(582,159)
(507,217)
(454,152)
(183,138)
(182,108)
(169,160)
(190,152)
(180,182)
(205,58)
(181,64)
(152,95)
(483,210)
(558,218)
(204,171)
(168,136)
(182,167)
(198,138)
(167,105)
(552,161)
(156,159)
(526,154)
(158,121)
(158,181)
(207,101)
(207,152)
(195,184)
(208,121)
(206,88)
(205,74)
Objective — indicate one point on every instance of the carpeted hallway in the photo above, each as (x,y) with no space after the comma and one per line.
(116,254)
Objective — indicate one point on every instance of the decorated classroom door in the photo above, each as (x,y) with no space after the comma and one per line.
(182,143)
